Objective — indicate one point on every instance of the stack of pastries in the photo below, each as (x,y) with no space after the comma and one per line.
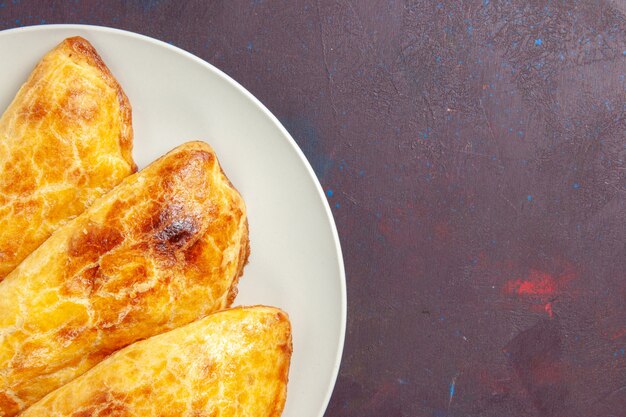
(115,285)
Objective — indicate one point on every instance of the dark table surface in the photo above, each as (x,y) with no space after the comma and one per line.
(473,156)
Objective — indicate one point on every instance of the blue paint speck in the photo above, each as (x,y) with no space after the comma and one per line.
(529,197)
(624,53)
(485,2)
(470,30)
(337,205)
(250,46)
(150,5)
(361,173)
(329,193)
(451,390)
(576,186)
(402,381)
(538,42)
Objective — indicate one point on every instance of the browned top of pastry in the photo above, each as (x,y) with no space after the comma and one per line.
(65,140)
(163,248)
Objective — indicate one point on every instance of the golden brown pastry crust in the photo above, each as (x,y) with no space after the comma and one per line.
(160,250)
(65,140)
(233,363)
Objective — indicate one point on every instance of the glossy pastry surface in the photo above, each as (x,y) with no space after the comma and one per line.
(233,363)
(160,250)
(65,140)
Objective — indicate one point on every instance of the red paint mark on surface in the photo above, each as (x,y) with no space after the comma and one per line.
(540,288)
(548,309)
(618,334)
(537,283)
(542,308)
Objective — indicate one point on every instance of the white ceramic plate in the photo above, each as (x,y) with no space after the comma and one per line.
(296,261)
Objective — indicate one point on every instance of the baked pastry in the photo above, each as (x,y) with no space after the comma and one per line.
(162,249)
(231,363)
(65,140)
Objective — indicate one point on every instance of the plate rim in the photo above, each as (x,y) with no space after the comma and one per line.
(286,135)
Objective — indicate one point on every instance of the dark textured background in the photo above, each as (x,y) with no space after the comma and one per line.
(473,154)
